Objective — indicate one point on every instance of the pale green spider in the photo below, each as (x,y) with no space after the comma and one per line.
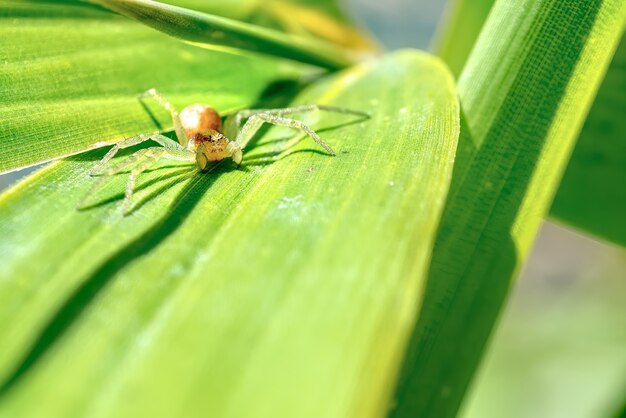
(201,139)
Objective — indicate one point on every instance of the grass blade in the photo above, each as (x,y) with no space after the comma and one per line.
(287,287)
(317,19)
(524,92)
(212,31)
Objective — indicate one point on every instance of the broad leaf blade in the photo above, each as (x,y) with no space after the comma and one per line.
(525,92)
(212,31)
(71,75)
(284,289)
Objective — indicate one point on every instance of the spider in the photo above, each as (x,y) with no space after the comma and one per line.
(201,139)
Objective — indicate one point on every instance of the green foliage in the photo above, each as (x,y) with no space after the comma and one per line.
(590,195)
(262,291)
(217,32)
(71,76)
(249,10)
(524,93)
(289,286)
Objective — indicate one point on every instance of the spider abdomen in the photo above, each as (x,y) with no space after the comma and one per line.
(199,118)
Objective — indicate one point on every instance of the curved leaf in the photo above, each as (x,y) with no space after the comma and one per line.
(270,290)
(71,75)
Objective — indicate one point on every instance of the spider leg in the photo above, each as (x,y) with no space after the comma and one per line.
(233,122)
(257,120)
(178,126)
(151,157)
(128,162)
(160,139)
(141,160)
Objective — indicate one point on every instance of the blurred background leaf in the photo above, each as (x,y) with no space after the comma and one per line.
(71,75)
(459,30)
(622,412)
(525,92)
(261,291)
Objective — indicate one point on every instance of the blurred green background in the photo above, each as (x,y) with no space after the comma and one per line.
(560,347)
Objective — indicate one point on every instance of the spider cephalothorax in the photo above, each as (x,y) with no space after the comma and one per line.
(201,138)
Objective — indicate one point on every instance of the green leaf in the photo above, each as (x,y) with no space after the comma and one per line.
(249,10)
(459,30)
(524,93)
(71,75)
(210,31)
(318,19)
(282,288)
(592,194)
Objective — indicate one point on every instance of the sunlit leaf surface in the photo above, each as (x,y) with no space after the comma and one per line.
(284,288)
